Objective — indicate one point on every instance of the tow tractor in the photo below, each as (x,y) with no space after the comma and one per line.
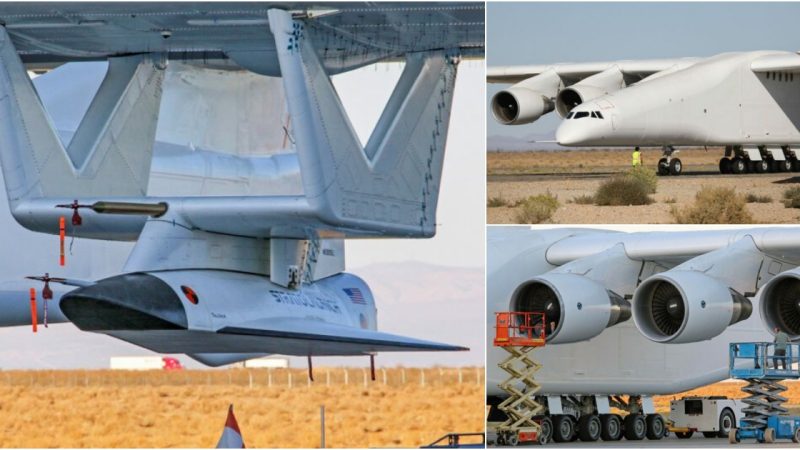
(765,417)
(519,333)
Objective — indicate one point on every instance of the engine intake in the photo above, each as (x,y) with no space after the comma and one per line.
(780,303)
(518,106)
(589,88)
(576,308)
(682,306)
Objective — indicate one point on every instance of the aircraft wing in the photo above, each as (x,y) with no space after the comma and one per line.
(579,71)
(347,34)
(324,338)
(788,63)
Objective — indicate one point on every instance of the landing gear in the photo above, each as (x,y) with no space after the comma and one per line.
(725,166)
(738,165)
(663,167)
(655,426)
(675,167)
(762,166)
(589,428)
(784,166)
(562,428)
(635,427)
(610,427)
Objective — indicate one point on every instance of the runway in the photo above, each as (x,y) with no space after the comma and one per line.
(696,441)
(523,177)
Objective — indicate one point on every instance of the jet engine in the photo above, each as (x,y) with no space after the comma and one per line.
(682,306)
(609,80)
(527,100)
(576,308)
(780,303)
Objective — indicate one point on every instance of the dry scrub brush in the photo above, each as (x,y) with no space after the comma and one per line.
(715,205)
(791,197)
(537,209)
(623,190)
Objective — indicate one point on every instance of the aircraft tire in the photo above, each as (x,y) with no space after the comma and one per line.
(725,165)
(738,165)
(655,426)
(675,167)
(589,428)
(610,427)
(635,427)
(663,167)
(795,165)
(563,428)
(786,165)
(762,166)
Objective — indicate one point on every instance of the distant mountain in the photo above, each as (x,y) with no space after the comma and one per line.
(521,144)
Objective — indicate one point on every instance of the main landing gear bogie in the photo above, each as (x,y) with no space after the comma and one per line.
(738,165)
(672,166)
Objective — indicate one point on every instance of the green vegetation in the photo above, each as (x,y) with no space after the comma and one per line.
(791,197)
(536,209)
(715,205)
(583,200)
(623,190)
(646,176)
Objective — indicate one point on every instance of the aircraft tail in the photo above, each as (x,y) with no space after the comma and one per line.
(109,154)
(393,181)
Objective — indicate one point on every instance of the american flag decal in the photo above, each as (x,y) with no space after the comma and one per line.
(355,295)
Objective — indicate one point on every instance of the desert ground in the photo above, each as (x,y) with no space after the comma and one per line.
(512,176)
(403,407)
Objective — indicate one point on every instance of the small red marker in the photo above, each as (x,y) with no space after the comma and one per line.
(61,235)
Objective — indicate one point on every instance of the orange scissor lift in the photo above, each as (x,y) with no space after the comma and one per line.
(519,333)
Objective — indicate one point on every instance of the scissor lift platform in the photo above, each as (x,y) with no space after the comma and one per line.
(519,333)
(765,419)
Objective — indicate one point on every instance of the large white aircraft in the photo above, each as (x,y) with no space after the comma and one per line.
(226,277)
(689,293)
(746,102)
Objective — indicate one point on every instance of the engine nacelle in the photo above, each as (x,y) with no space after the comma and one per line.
(519,105)
(780,303)
(597,85)
(680,306)
(576,308)
(527,100)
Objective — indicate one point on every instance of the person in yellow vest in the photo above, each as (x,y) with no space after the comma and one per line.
(637,157)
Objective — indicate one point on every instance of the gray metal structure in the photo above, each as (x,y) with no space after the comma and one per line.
(224,278)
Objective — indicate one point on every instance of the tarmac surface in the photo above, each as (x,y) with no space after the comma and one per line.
(499,178)
(696,441)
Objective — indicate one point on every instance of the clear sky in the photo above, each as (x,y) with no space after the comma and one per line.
(542,33)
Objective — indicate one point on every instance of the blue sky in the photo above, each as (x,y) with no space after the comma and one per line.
(541,33)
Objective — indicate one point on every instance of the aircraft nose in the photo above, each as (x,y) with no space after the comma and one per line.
(568,133)
(136,301)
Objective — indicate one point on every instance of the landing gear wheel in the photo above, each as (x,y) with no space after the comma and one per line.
(562,428)
(762,166)
(710,434)
(589,428)
(684,434)
(785,165)
(727,422)
(738,165)
(675,166)
(732,438)
(547,430)
(663,166)
(512,439)
(769,435)
(725,165)
(655,426)
(795,165)
(635,427)
(610,427)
